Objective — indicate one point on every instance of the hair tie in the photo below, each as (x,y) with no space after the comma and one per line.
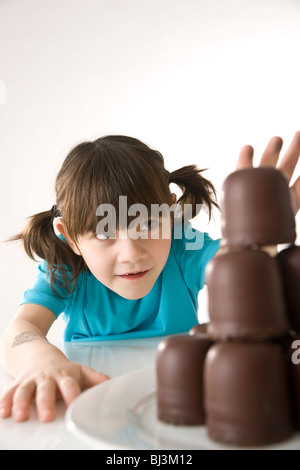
(54,212)
(168,176)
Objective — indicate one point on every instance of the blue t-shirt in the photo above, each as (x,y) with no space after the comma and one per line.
(94,312)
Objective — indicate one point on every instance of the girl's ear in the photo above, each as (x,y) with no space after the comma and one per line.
(59,227)
(174,197)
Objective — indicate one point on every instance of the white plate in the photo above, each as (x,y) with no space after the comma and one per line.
(121,414)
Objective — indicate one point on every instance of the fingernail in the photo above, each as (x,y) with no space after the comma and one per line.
(3,413)
(19,415)
(277,143)
(46,415)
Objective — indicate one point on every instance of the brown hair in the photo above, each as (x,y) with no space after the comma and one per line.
(99,172)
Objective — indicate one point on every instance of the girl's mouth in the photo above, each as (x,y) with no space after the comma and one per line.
(134,275)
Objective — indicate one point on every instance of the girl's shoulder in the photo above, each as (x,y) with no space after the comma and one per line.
(192,250)
(189,242)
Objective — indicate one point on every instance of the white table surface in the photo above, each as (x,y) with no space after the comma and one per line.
(113,358)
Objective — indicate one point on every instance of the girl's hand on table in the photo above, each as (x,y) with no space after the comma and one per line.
(66,381)
(270,157)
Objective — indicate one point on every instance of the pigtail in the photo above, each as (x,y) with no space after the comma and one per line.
(195,188)
(39,239)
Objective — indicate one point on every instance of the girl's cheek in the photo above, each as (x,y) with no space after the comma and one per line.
(97,258)
(161,249)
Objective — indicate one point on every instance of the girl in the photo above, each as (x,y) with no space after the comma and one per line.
(111,275)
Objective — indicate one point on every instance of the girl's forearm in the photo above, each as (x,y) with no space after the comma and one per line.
(23,345)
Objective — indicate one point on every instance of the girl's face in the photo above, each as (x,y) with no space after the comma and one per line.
(128,266)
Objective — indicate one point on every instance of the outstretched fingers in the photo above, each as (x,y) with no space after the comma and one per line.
(45,390)
(245,159)
(46,393)
(91,377)
(6,402)
(291,157)
(295,192)
(68,387)
(271,154)
(16,401)
(270,157)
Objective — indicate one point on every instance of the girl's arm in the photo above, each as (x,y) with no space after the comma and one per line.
(42,372)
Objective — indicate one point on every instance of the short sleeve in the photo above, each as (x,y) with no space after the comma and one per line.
(41,293)
(193,250)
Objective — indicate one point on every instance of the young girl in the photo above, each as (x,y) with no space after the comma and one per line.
(112,275)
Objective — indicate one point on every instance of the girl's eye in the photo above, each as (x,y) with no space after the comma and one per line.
(150,224)
(105,236)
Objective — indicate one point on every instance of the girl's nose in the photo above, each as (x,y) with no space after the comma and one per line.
(131,251)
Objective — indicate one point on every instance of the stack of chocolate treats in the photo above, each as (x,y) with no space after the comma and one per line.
(247,379)
(236,374)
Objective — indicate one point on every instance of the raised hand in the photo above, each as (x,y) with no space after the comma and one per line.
(270,157)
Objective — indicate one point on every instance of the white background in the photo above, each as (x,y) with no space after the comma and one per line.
(196,79)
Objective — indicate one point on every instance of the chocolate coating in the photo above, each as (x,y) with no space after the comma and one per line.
(245,296)
(289,262)
(246,394)
(256,208)
(179,372)
(200,329)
